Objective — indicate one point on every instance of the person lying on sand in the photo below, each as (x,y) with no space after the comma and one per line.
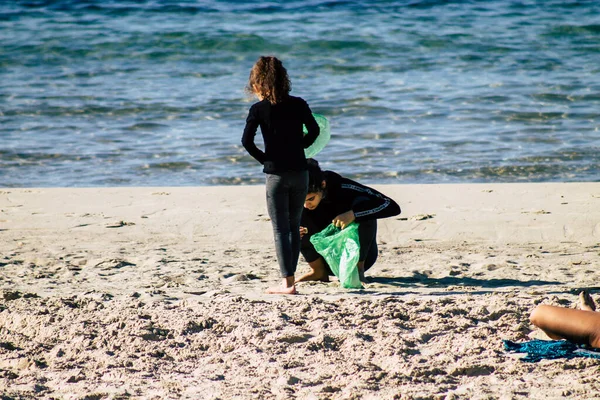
(334,199)
(581,326)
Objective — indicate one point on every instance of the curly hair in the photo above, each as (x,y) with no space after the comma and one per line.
(269,78)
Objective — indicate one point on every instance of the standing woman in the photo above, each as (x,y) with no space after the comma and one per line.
(281,118)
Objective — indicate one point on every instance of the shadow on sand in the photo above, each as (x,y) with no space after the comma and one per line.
(425,281)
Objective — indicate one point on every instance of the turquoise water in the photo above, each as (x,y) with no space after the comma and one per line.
(150,93)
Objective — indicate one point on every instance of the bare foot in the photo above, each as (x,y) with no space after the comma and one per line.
(282,290)
(586,302)
(318,272)
(311,276)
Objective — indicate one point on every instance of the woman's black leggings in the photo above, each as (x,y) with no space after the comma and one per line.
(367,236)
(286,193)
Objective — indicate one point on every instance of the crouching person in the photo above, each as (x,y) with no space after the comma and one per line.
(334,199)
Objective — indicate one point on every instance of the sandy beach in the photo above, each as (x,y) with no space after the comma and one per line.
(158,293)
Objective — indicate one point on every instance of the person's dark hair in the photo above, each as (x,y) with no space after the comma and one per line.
(269,78)
(315,176)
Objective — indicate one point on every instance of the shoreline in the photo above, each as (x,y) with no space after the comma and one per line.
(159,293)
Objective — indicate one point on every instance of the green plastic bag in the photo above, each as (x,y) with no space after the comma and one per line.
(341,249)
(322,139)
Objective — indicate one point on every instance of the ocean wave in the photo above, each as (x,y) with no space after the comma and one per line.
(574,30)
(172,165)
(10,158)
(153,47)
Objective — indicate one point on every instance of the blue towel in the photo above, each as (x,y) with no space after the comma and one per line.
(550,349)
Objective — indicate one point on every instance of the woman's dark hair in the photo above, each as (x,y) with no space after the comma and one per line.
(269,78)
(315,176)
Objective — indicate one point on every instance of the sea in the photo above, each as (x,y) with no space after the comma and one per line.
(98,93)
